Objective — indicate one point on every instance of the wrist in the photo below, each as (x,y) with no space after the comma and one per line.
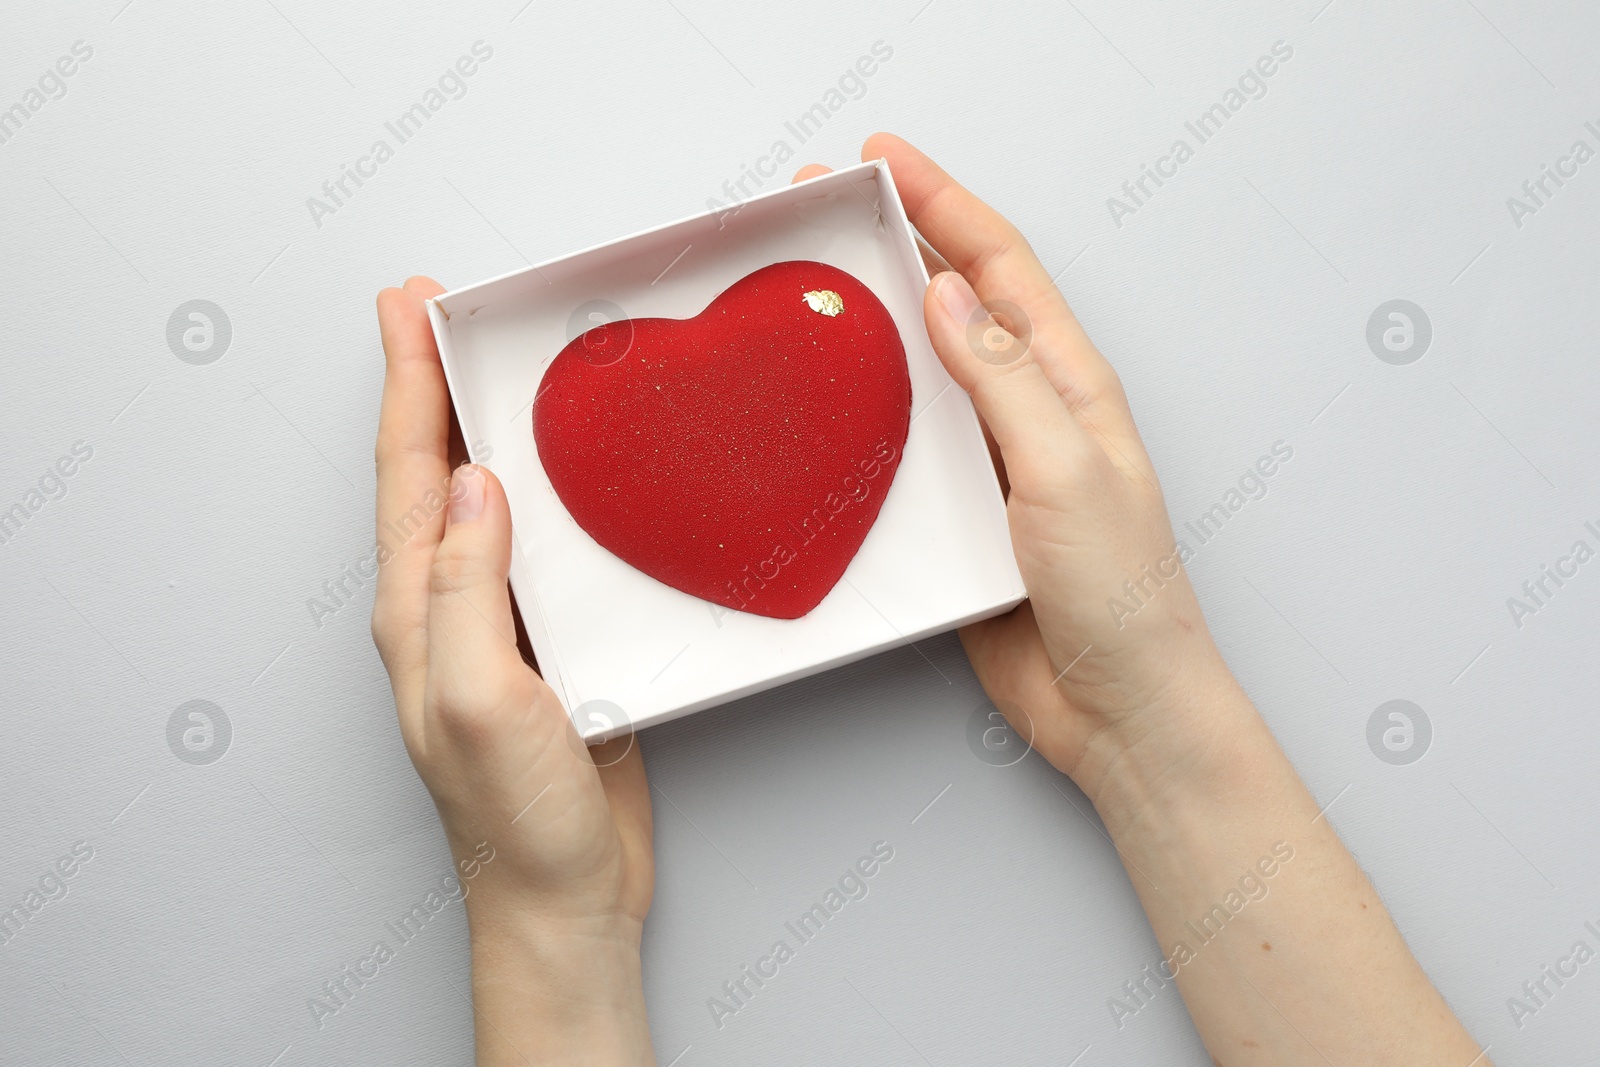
(557,990)
(1200,738)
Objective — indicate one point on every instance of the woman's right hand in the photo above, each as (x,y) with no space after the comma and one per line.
(1135,702)
(1085,682)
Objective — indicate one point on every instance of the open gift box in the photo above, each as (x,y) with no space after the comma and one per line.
(624,650)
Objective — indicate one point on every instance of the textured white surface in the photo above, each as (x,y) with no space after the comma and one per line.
(219,498)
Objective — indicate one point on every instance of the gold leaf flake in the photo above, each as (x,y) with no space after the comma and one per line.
(825,301)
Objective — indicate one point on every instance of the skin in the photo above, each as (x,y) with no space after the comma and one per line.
(556,916)
(1301,965)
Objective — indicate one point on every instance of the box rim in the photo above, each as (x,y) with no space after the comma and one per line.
(523,584)
(833,175)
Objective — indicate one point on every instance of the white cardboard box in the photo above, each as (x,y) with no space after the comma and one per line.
(939,555)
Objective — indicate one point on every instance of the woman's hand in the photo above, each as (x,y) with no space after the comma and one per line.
(1086,684)
(1110,671)
(553,840)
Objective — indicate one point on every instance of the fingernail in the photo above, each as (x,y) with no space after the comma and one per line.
(466,493)
(957,298)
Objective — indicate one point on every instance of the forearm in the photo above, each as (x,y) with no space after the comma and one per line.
(1280,946)
(551,996)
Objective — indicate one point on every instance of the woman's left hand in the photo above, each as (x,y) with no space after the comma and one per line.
(556,837)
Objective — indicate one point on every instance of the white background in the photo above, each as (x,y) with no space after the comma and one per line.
(221,497)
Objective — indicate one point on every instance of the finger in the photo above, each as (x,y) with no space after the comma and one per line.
(621,768)
(973,237)
(1040,443)
(810,170)
(412,480)
(1009,654)
(413,422)
(455,447)
(981,244)
(474,668)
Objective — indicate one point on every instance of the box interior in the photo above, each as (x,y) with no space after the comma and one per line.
(938,556)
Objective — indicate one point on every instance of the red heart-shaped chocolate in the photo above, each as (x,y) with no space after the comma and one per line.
(743,454)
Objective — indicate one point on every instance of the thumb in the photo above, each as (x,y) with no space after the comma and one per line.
(472,641)
(1028,419)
